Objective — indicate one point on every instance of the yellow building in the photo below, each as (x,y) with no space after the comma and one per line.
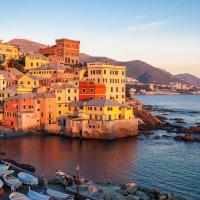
(114,78)
(8,52)
(35,60)
(65,93)
(28,83)
(8,92)
(101,109)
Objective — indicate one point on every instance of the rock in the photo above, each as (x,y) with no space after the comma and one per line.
(131,190)
(178,198)
(132,197)
(146,190)
(142,195)
(157,137)
(107,196)
(163,197)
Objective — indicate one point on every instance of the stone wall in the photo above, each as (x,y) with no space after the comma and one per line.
(98,129)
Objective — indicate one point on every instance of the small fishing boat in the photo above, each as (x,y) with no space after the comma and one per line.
(28,179)
(63,178)
(4,166)
(1,184)
(18,196)
(11,181)
(5,172)
(59,195)
(37,196)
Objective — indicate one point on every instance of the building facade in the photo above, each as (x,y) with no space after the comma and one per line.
(35,60)
(114,78)
(91,90)
(64,51)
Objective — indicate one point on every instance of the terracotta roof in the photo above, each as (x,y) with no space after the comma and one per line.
(102,102)
(52,66)
(10,89)
(76,103)
(62,85)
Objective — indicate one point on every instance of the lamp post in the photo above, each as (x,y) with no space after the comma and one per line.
(77,179)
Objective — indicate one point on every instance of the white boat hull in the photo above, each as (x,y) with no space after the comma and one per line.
(37,196)
(1,184)
(4,172)
(18,196)
(12,181)
(59,195)
(27,179)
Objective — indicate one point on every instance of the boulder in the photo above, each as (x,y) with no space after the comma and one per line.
(132,197)
(107,195)
(131,190)
(142,195)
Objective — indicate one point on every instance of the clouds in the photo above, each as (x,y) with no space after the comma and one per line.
(146,26)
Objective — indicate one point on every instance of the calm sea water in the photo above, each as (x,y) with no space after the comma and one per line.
(169,165)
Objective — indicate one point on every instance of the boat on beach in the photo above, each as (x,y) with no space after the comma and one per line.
(18,196)
(1,184)
(64,178)
(6,172)
(37,196)
(4,166)
(59,195)
(28,179)
(11,181)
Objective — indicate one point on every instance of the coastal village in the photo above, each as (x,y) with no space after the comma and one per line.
(55,93)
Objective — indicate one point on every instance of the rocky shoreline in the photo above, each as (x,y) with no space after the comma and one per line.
(150,123)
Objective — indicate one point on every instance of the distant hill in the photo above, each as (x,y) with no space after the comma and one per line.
(189,79)
(26,46)
(137,69)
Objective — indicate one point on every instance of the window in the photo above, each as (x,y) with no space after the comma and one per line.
(69,98)
(24,106)
(59,112)
(59,98)
(91,90)
(83,90)
(111,89)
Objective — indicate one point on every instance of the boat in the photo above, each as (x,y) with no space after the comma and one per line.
(18,196)
(4,166)
(59,195)
(63,178)
(28,179)
(37,196)
(1,184)
(11,181)
(5,172)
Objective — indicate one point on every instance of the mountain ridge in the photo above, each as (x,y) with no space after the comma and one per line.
(138,69)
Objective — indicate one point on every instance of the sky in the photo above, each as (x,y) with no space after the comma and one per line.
(164,33)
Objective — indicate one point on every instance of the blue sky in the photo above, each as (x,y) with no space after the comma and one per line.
(164,33)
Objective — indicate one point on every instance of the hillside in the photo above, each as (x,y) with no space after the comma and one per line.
(137,69)
(26,46)
(189,79)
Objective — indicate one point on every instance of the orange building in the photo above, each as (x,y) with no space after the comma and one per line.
(91,90)
(64,51)
(30,111)
(22,103)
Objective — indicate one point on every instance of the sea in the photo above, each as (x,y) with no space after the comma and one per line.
(166,164)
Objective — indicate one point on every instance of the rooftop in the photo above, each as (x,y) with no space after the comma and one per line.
(52,66)
(102,102)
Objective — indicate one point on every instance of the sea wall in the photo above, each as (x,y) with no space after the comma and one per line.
(100,129)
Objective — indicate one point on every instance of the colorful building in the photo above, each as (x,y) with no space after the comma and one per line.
(64,51)
(30,111)
(64,93)
(7,53)
(91,90)
(114,78)
(35,60)
(28,83)
(52,70)
(104,109)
